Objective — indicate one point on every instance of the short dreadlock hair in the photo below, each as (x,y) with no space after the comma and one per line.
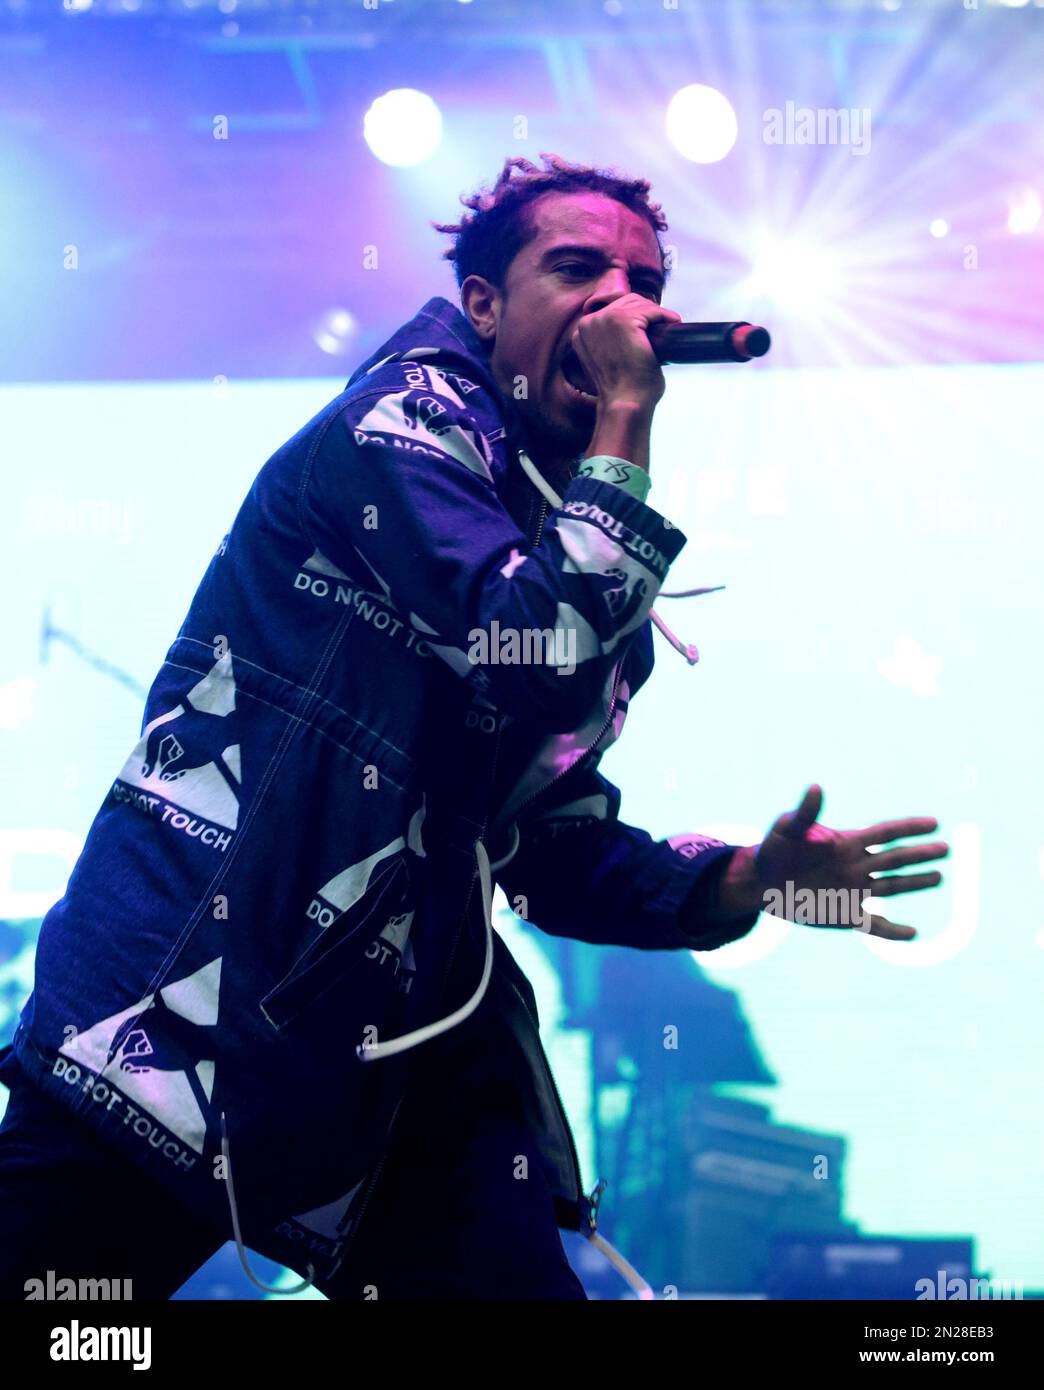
(502,221)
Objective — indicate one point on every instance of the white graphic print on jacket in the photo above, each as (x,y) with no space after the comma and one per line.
(328,1222)
(156,1052)
(590,551)
(344,890)
(189,756)
(455,657)
(415,419)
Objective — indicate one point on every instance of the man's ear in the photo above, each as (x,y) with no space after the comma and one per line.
(481,303)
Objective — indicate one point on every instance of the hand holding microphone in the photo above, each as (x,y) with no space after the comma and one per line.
(616,362)
(619,350)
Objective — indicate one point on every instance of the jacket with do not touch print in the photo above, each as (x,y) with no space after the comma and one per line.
(298,854)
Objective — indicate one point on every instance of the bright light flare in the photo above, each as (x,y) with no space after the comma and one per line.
(403,127)
(796,275)
(335,331)
(701,124)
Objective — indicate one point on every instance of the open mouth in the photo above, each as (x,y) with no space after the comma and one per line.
(576,379)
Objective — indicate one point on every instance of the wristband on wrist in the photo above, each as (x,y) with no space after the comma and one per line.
(606,468)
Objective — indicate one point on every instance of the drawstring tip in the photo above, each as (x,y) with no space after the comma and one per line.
(688,650)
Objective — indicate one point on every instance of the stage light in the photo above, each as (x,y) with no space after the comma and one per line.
(939,226)
(794,275)
(403,127)
(701,124)
(1024,213)
(335,331)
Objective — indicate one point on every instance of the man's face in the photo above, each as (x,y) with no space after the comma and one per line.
(549,286)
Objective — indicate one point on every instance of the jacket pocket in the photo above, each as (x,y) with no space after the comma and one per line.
(340,951)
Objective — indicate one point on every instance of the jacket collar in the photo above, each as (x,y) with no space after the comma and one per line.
(441,325)
(437,324)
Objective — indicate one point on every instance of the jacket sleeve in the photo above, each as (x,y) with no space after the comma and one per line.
(581,872)
(399,490)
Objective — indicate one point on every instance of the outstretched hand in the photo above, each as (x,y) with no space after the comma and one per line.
(801,853)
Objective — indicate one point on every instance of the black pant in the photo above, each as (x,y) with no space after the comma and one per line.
(449,1218)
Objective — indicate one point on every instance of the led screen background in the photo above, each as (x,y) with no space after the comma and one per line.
(878,634)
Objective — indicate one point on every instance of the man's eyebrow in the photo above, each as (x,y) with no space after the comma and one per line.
(597,254)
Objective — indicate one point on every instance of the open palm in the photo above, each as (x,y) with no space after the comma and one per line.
(806,855)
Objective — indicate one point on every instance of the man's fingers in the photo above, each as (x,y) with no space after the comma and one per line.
(906,855)
(891,931)
(888,830)
(904,883)
(808,809)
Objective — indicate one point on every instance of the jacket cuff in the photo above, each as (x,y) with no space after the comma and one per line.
(636,526)
(697,915)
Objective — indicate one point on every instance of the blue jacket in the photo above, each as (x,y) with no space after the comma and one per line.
(258,935)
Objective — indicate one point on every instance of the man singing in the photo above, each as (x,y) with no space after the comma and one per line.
(271,1004)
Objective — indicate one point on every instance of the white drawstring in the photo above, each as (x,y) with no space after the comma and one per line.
(538,480)
(511,852)
(640,1286)
(372,1052)
(240,1247)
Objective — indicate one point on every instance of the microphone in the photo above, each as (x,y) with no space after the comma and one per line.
(708,342)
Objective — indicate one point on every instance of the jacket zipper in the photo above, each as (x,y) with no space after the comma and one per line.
(540,524)
(557,1094)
